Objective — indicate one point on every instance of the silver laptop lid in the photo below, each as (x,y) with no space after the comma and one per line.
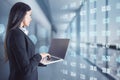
(59,47)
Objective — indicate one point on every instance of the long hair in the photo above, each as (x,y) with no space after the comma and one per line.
(16,15)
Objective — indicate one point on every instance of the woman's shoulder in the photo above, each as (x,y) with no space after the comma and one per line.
(16,32)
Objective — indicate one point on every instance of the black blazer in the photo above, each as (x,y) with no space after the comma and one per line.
(22,58)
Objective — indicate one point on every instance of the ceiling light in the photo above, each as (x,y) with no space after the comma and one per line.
(68,16)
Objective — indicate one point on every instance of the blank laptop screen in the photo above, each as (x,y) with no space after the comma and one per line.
(58,47)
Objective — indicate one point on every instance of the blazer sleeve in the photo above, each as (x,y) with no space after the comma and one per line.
(25,64)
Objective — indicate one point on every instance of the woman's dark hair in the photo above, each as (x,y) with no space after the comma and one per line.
(16,16)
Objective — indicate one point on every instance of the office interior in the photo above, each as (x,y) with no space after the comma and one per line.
(93,27)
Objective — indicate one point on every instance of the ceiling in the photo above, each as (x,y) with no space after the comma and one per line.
(61,12)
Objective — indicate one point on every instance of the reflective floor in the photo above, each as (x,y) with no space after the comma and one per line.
(90,64)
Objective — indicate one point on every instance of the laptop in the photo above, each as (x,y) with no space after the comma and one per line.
(57,51)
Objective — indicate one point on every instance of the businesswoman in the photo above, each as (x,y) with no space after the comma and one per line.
(19,49)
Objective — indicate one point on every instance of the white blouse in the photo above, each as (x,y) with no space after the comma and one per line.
(24,30)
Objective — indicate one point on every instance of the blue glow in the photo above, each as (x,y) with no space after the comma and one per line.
(33,38)
(43,33)
(43,49)
(118,59)
(3,36)
(2,28)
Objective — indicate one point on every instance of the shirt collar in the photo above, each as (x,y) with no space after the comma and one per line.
(24,30)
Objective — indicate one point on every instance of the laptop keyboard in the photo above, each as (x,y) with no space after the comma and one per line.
(45,60)
(53,58)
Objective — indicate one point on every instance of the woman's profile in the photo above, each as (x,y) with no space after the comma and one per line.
(19,49)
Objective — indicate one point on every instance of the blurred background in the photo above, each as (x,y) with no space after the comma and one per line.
(93,27)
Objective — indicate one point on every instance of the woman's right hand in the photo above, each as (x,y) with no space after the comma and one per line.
(44,55)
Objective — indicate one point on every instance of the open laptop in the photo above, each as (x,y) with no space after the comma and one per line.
(57,51)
